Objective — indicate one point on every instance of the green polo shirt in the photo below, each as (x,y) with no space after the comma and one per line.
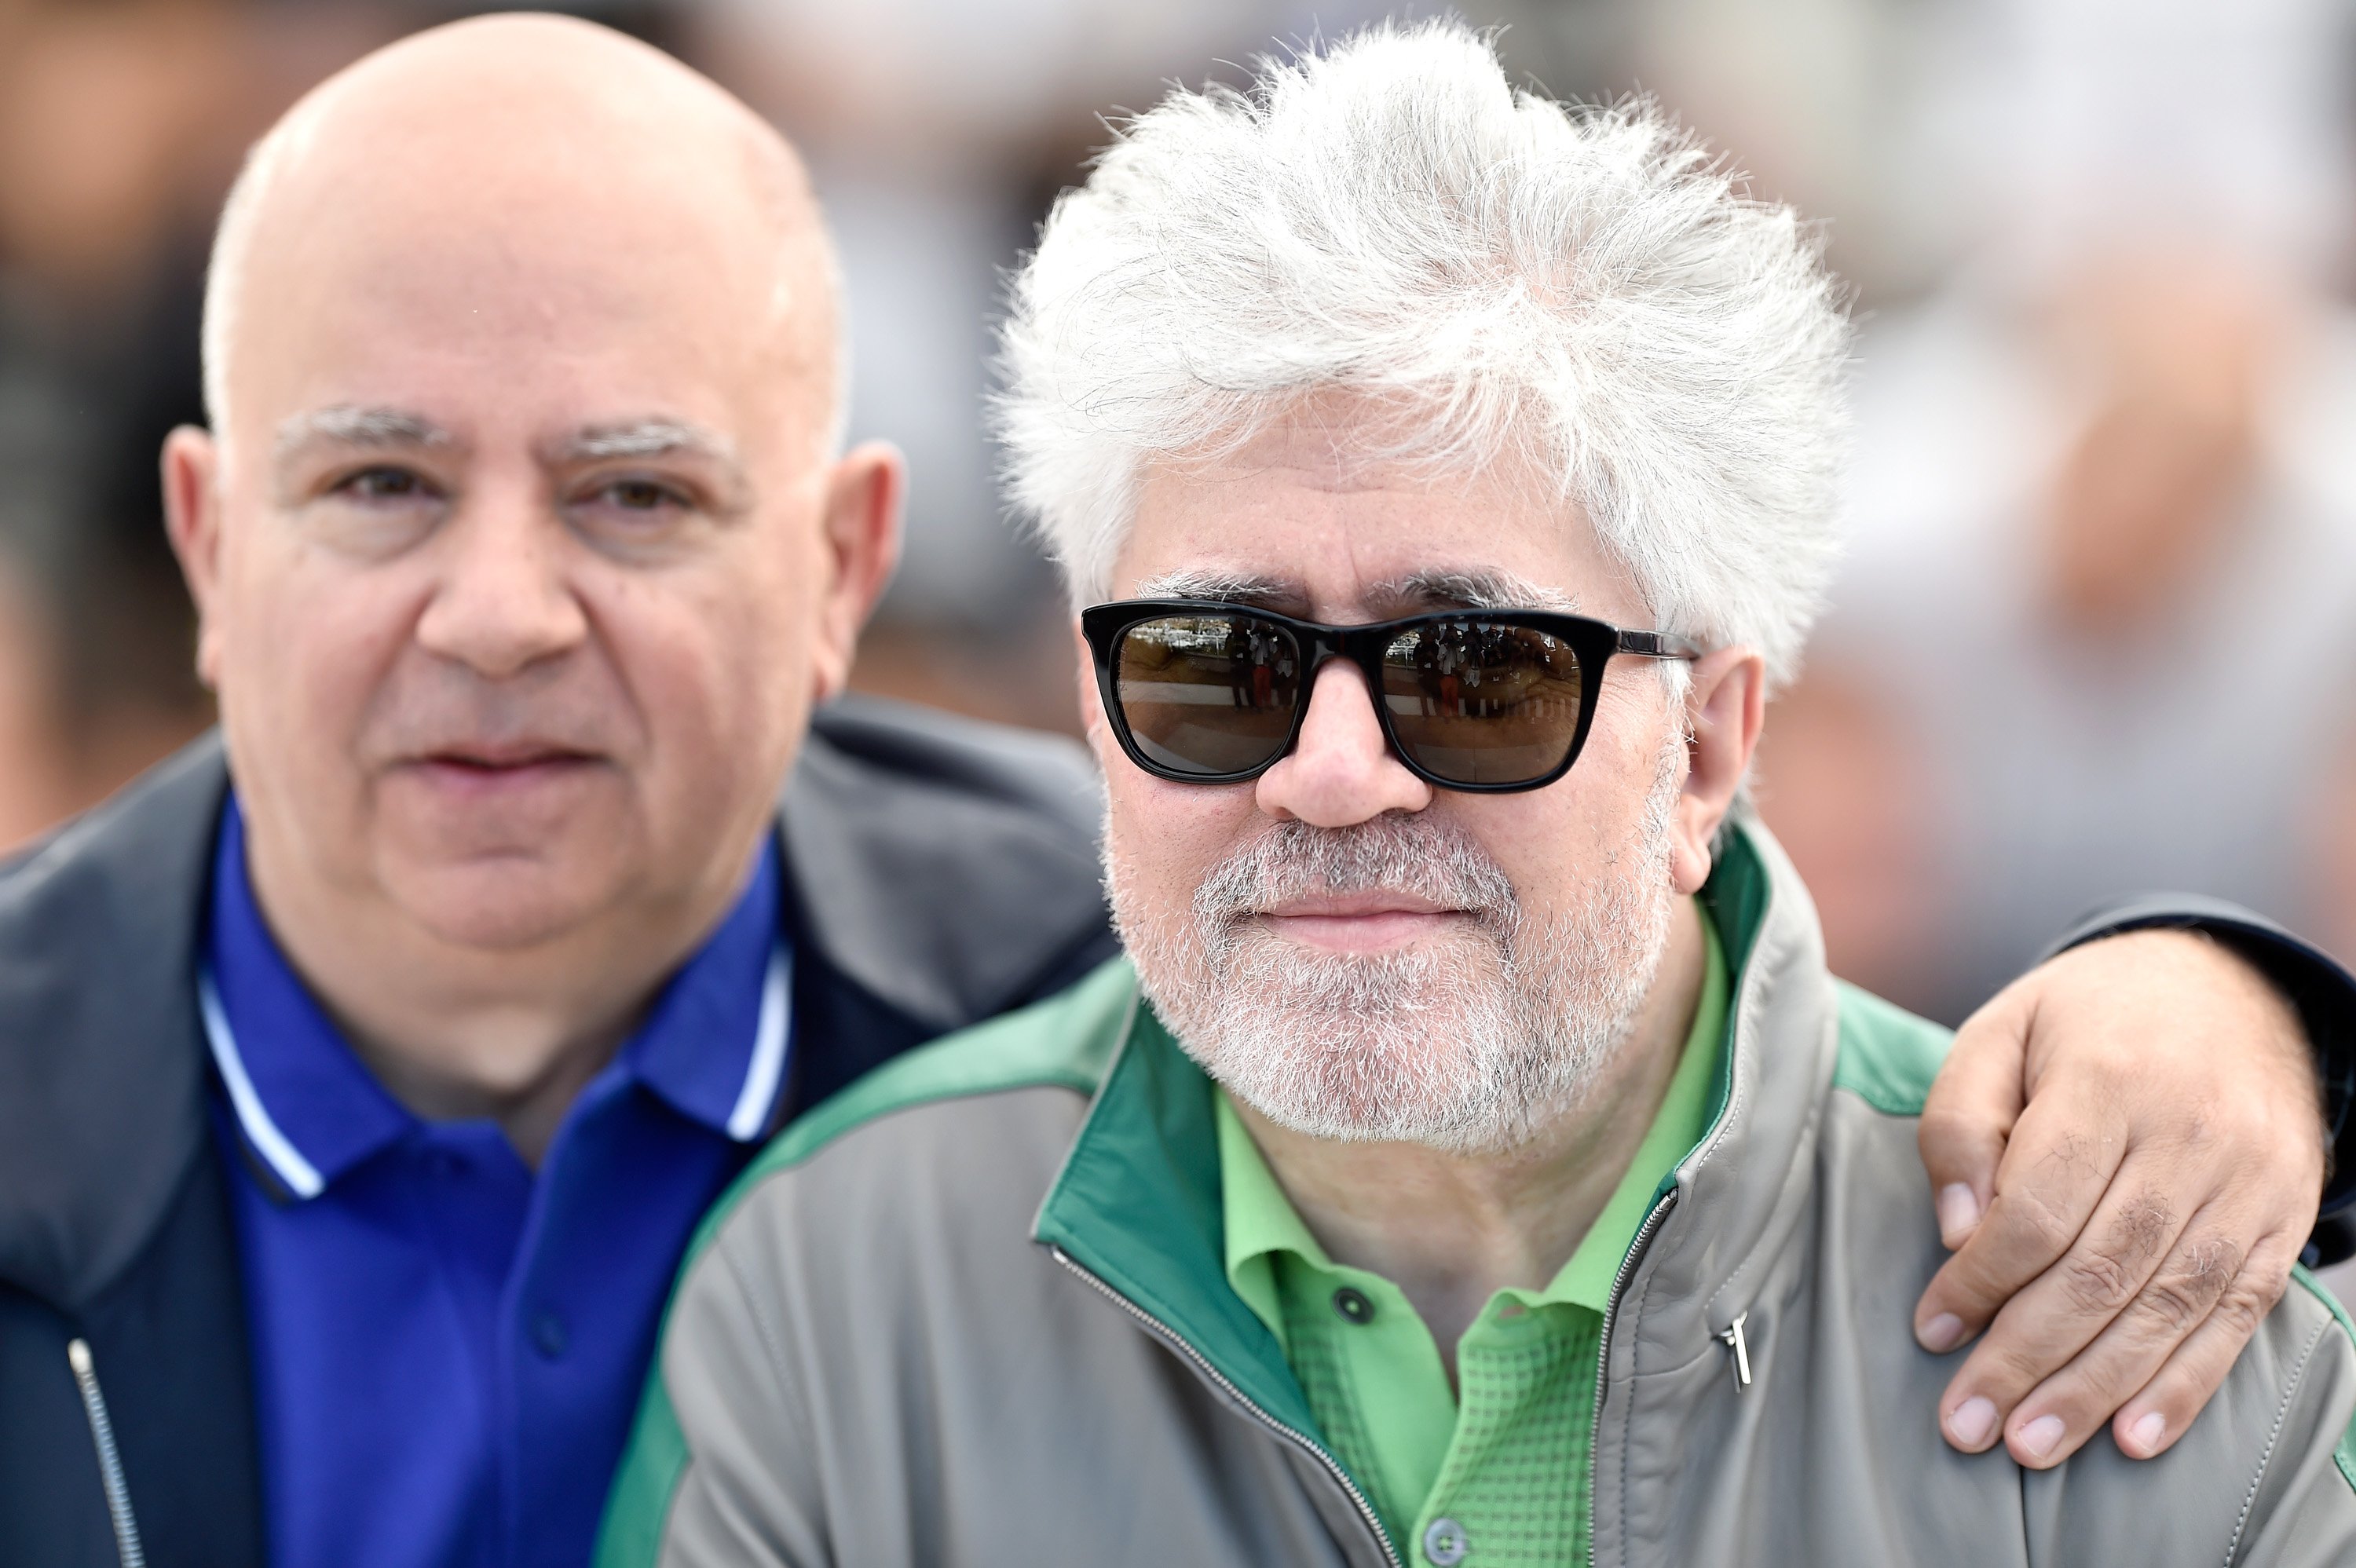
(1501,1479)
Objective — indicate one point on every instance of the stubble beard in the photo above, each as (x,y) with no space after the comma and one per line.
(1472,1044)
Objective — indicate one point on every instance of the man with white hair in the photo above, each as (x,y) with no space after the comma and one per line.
(1472,1161)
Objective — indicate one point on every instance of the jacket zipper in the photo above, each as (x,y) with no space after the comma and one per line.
(110,1462)
(1604,1354)
(1202,1364)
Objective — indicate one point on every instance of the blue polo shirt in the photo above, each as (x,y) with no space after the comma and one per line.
(448,1346)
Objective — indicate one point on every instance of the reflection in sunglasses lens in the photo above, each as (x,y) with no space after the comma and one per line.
(1208,694)
(1476,701)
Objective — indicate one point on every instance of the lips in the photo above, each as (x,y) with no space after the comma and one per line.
(1347,906)
(479,772)
(1373,922)
(504,758)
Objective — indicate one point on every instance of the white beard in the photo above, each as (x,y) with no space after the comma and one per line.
(1470,1045)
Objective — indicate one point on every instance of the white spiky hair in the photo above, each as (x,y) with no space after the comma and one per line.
(1585,288)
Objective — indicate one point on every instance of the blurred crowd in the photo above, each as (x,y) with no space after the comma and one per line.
(2099,626)
(2097,630)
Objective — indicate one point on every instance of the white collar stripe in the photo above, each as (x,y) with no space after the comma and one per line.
(302,1179)
(758,1097)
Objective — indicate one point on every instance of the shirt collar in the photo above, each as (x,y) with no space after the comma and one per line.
(712,1047)
(1682,1122)
(1260,1222)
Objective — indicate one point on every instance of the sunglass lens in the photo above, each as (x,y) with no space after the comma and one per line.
(1208,695)
(1482,702)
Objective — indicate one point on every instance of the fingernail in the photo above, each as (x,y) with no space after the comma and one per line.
(2040,1436)
(1959,1210)
(1943,1332)
(2148,1431)
(1971,1422)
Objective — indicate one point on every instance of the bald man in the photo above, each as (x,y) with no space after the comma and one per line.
(366,1068)
(373,1096)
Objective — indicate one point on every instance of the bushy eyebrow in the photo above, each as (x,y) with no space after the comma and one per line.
(656,437)
(351,425)
(1472,590)
(1485,589)
(1221,587)
(645,438)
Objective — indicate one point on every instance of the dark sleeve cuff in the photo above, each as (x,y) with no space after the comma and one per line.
(2324,996)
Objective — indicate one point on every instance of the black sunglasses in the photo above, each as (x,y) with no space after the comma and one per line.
(1488,700)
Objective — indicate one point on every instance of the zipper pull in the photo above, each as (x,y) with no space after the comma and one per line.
(110,1462)
(1733,1337)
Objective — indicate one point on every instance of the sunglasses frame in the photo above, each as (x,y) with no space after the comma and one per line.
(1592,642)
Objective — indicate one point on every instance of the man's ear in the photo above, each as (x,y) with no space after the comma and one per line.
(1726,704)
(862,540)
(192,521)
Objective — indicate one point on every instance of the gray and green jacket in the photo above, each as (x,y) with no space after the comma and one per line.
(974,1312)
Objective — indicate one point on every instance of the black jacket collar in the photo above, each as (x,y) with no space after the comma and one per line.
(99,1040)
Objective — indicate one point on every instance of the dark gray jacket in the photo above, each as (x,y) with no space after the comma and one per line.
(937,872)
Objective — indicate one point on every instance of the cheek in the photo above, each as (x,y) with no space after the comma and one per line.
(1559,843)
(305,645)
(717,665)
(1550,843)
(1165,838)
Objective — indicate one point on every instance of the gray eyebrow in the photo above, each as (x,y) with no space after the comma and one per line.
(351,425)
(1474,589)
(645,438)
(1225,587)
(1478,590)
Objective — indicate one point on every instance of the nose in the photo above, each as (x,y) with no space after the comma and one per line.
(502,602)
(1341,772)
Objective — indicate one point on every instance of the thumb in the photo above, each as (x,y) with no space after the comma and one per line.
(1970,1111)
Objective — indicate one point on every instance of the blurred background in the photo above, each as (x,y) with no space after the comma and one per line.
(2098,630)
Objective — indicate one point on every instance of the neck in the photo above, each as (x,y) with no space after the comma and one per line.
(458,1032)
(1451,1230)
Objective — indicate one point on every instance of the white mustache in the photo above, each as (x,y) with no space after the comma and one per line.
(1421,855)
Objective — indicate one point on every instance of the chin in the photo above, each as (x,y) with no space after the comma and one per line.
(1470,1045)
(500,906)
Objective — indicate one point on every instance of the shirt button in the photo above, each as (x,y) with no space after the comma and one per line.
(548,1334)
(1444,1543)
(1353,1305)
